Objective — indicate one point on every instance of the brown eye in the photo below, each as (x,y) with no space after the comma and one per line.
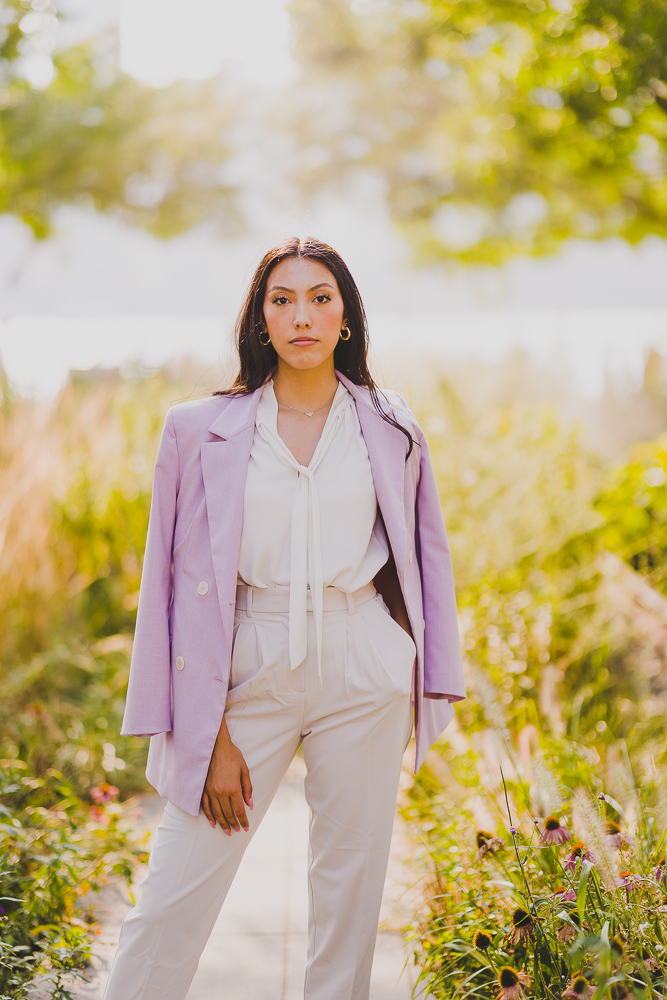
(323,298)
(279,300)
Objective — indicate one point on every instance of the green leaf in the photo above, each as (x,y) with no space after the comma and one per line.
(586,867)
(616,806)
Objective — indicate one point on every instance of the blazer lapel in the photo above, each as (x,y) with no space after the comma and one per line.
(224,467)
(386,447)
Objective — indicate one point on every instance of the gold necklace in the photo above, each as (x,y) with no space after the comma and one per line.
(307,413)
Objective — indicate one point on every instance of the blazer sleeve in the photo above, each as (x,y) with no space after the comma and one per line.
(443,668)
(148,705)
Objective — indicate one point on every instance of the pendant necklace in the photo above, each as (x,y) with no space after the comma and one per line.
(307,413)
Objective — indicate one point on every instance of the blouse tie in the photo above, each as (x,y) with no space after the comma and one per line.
(306,561)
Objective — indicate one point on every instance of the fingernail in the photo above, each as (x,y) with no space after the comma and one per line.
(250,805)
(228,832)
(212,824)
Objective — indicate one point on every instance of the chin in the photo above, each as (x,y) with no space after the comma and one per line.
(305,361)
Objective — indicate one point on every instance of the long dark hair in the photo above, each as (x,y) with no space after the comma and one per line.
(257,363)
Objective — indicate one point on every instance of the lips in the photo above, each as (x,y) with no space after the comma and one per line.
(303,341)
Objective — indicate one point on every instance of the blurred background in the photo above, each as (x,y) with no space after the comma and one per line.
(495,175)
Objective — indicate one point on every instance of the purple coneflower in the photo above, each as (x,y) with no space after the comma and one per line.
(579,988)
(628,880)
(103,793)
(659,873)
(615,838)
(564,895)
(523,927)
(553,831)
(568,932)
(578,852)
(620,991)
(481,940)
(645,956)
(487,844)
(511,983)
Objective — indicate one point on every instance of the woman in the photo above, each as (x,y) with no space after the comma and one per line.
(296,591)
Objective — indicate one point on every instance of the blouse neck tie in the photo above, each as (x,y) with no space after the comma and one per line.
(305,558)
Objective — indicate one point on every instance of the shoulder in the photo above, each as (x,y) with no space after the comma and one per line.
(399,410)
(196,414)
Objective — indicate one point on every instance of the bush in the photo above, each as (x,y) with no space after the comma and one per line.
(54,849)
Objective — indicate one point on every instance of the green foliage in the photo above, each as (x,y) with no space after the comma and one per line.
(498,126)
(54,848)
(634,505)
(509,896)
(564,719)
(76,478)
(95,136)
(531,535)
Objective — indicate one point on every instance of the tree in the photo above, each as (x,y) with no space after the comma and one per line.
(74,129)
(499,126)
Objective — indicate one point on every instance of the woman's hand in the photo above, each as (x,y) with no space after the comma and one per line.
(228,789)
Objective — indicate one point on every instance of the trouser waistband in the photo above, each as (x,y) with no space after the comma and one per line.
(276,599)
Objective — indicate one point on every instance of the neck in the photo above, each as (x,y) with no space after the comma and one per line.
(305,389)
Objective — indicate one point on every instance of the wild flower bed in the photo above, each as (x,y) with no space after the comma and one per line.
(570,903)
(54,849)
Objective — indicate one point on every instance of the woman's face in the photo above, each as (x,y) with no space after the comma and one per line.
(303,309)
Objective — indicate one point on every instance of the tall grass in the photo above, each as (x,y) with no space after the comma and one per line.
(75,489)
(565,640)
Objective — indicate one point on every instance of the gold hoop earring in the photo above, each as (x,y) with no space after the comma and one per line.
(345,330)
(264,333)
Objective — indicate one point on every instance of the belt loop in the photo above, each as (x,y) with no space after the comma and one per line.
(248,602)
(350,603)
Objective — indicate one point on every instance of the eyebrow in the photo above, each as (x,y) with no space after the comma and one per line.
(282,288)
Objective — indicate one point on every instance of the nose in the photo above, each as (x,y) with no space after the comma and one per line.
(301,320)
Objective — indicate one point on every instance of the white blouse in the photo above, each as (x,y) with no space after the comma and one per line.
(316,526)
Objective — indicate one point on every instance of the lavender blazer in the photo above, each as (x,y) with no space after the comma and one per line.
(183,639)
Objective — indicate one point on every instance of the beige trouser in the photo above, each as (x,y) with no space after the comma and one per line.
(354,728)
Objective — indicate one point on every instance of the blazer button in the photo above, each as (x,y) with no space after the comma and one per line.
(203,588)
(180,662)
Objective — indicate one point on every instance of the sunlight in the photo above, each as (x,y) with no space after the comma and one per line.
(162,42)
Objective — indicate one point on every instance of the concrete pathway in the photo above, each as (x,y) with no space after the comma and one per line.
(258,947)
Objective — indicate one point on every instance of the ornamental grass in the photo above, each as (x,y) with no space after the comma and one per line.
(539,918)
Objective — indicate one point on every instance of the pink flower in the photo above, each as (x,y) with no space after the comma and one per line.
(523,927)
(564,895)
(615,838)
(628,880)
(511,983)
(659,873)
(554,832)
(579,989)
(567,933)
(487,844)
(103,793)
(578,852)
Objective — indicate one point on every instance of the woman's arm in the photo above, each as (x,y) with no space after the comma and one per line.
(387,585)
(148,705)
